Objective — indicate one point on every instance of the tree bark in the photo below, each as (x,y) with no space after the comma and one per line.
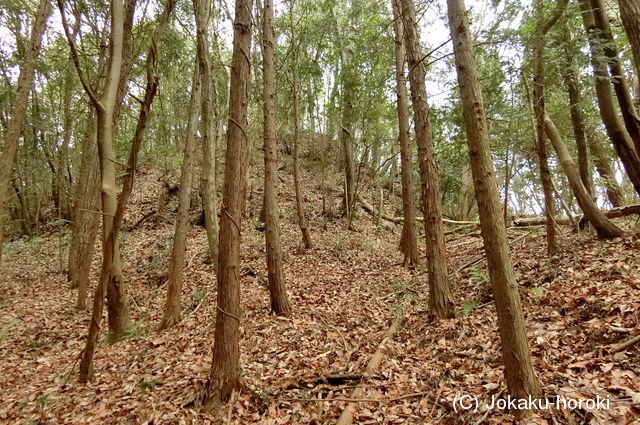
(280,304)
(440,304)
(616,130)
(19,110)
(408,240)
(519,373)
(604,228)
(224,376)
(302,220)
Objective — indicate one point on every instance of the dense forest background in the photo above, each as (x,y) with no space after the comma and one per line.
(312,211)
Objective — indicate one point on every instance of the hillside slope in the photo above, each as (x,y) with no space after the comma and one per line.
(346,292)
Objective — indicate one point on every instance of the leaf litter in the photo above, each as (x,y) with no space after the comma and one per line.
(346,293)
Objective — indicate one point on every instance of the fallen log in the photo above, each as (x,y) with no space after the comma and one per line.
(613,213)
(398,220)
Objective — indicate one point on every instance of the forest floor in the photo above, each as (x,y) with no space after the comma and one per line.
(346,291)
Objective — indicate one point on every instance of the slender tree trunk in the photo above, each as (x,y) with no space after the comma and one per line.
(62,181)
(577,118)
(277,290)
(615,129)
(104,106)
(209,139)
(174,290)
(440,304)
(519,373)
(86,216)
(604,228)
(605,170)
(346,132)
(408,240)
(224,377)
(466,194)
(119,319)
(542,27)
(19,110)
(302,220)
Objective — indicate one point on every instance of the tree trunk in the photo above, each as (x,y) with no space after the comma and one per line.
(209,134)
(62,177)
(86,217)
(618,79)
(604,228)
(104,105)
(19,110)
(542,27)
(605,170)
(577,118)
(440,304)
(465,197)
(615,129)
(280,304)
(408,240)
(630,15)
(519,373)
(346,132)
(302,220)
(171,314)
(224,377)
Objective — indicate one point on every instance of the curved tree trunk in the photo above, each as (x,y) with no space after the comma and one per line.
(224,376)
(618,79)
(440,304)
(616,130)
(518,368)
(605,228)
(19,109)
(280,304)
(408,240)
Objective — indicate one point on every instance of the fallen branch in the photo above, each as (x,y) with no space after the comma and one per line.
(616,348)
(483,256)
(346,418)
(368,400)
(142,220)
